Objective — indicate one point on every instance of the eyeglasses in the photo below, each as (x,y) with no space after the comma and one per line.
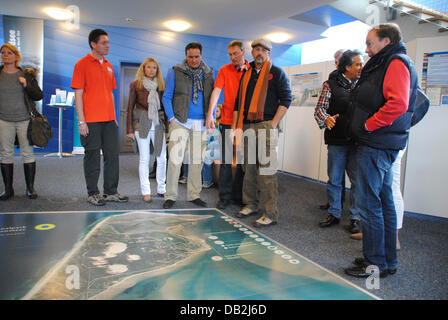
(235,54)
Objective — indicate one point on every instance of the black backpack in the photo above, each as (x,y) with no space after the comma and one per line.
(421,106)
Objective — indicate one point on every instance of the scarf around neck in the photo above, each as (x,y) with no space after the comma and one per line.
(196,75)
(153,99)
(256,107)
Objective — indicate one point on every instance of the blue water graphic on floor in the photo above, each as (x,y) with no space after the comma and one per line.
(154,254)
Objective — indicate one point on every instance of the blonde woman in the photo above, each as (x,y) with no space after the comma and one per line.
(146,122)
(18,91)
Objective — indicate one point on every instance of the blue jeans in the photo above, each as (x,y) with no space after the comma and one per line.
(341,159)
(376,206)
(207,172)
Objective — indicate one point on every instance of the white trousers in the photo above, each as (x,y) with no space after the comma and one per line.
(396,190)
(143,168)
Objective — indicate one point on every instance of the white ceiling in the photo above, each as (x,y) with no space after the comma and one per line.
(236,19)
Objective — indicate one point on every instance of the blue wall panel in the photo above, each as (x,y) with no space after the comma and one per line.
(63,48)
(2,39)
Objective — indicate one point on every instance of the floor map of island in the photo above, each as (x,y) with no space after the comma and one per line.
(154,254)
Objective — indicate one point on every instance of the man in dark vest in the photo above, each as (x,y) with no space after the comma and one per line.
(186,99)
(331,114)
(337,55)
(383,103)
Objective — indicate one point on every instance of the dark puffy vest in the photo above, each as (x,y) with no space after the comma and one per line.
(338,104)
(367,99)
(183,87)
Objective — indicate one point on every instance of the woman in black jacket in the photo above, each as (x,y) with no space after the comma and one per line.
(18,91)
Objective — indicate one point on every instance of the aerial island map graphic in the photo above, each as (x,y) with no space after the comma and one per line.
(154,254)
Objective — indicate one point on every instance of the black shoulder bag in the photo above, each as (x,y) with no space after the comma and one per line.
(39,129)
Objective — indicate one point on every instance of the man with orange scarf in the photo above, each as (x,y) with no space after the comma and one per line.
(263,98)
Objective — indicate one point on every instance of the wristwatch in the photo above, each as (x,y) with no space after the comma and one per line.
(81,122)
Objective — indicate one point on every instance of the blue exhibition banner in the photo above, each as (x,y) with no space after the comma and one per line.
(27,34)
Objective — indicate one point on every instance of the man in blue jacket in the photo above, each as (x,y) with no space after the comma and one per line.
(186,99)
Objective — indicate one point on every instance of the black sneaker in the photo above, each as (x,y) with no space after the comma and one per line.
(222,204)
(354,227)
(199,202)
(361,262)
(168,204)
(361,272)
(329,221)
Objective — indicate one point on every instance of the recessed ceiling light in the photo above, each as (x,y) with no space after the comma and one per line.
(278,37)
(177,25)
(58,13)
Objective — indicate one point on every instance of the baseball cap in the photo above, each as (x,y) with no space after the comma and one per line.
(262,42)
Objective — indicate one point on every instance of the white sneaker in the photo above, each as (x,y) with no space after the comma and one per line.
(245,212)
(264,222)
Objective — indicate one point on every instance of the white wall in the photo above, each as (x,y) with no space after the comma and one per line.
(425,186)
(305,153)
(425,168)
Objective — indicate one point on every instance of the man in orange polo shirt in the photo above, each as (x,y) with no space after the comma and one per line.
(228,78)
(93,81)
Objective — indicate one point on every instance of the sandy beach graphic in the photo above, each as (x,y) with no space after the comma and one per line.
(122,250)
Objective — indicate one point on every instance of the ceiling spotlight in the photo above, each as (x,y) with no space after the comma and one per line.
(177,25)
(279,37)
(58,13)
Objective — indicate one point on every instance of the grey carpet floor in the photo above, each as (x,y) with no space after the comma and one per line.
(422,259)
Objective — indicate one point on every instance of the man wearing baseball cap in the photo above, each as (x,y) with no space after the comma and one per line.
(263,98)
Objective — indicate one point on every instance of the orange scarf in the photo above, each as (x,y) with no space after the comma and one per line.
(256,107)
